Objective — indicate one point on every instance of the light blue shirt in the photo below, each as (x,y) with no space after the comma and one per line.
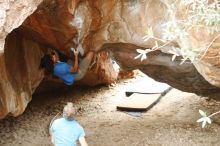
(66,133)
(62,70)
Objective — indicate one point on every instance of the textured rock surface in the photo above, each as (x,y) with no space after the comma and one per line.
(159,66)
(12,14)
(13,99)
(111,26)
(102,72)
(209,66)
(20,73)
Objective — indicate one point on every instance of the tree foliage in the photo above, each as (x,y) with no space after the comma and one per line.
(200,15)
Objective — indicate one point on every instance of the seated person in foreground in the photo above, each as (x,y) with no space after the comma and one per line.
(67,131)
(68,73)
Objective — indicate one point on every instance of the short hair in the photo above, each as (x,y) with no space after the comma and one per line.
(47,64)
(69,111)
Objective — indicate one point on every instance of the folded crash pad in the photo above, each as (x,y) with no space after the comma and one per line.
(138,102)
(146,86)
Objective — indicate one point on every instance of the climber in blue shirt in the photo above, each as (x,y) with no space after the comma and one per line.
(68,73)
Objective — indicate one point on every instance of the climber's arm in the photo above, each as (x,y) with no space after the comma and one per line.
(74,68)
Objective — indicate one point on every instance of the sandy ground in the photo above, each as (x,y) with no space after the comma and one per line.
(171,122)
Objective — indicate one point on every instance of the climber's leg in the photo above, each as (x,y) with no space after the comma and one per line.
(84,65)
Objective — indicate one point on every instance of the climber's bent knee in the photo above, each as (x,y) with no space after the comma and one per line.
(83,67)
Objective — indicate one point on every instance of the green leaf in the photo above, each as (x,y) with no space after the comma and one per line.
(150,32)
(146,38)
(155,46)
(173,57)
(183,60)
(203,114)
(203,124)
(142,54)
(140,51)
(147,50)
(138,56)
(200,120)
(208,120)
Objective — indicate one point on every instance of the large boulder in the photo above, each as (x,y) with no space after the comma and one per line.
(14,96)
(12,15)
(112,29)
(49,26)
(20,74)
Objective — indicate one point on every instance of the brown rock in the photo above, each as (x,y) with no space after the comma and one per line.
(111,26)
(20,74)
(12,14)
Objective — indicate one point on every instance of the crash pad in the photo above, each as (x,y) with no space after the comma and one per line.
(137,102)
(146,86)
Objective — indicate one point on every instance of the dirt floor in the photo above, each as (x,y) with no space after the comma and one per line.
(171,122)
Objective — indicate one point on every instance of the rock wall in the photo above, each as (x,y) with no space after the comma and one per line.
(116,28)
(160,67)
(24,47)
(13,99)
(12,15)
(20,74)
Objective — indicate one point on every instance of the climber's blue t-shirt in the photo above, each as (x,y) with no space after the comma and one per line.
(66,133)
(62,70)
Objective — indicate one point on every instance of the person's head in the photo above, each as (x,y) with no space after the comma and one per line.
(48,60)
(46,63)
(69,111)
(54,56)
(57,56)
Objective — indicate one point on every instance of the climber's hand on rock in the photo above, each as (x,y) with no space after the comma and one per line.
(76,52)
